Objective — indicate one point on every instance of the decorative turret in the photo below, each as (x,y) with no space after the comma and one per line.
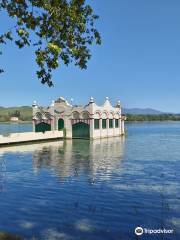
(52,104)
(34,104)
(107,101)
(91,100)
(118,104)
(60,100)
(71,101)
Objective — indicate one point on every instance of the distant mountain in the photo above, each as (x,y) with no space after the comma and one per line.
(141,111)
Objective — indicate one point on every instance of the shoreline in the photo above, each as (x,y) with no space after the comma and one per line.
(18,122)
(141,121)
(127,121)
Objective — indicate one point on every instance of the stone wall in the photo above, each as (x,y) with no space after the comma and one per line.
(30,137)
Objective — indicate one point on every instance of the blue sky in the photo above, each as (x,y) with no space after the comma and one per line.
(138,61)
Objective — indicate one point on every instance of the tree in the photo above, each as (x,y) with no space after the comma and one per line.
(15,113)
(59,30)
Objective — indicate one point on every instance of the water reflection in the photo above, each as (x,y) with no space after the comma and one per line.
(98,159)
(74,157)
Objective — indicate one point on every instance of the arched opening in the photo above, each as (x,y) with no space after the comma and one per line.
(42,127)
(47,115)
(60,124)
(38,116)
(85,115)
(81,130)
(75,115)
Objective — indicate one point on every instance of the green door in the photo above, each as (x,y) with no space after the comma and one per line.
(80,130)
(42,127)
(60,124)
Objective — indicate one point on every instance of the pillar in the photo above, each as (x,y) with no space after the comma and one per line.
(92,128)
(52,114)
(34,111)
(122,127)
(107,125)
(100,127)
(68,127)
(34,125)
(52,124)
(114,127)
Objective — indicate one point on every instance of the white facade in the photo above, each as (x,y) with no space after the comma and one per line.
(91,121)
(107,113)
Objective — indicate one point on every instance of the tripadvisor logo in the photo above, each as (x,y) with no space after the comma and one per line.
(139,231)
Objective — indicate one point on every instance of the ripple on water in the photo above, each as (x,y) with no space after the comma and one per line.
(93,190)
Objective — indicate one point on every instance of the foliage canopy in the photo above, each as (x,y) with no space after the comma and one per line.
(57,29)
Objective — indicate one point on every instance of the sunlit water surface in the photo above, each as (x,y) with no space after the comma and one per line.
(93,190)
(7,128)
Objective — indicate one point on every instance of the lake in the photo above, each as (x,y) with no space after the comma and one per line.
(6,128)
(93,190)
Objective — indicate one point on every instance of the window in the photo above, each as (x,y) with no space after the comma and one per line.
(104,123)
(110,123)
(116,123)
(96,123)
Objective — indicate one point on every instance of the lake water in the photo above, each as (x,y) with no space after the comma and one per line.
(6,128)
(93,190)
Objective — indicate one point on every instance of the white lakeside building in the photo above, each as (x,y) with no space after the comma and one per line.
(90,121)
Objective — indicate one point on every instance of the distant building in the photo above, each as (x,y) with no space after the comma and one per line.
(90,121)
(14,119)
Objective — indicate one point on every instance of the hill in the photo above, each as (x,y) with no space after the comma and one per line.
(141,111)
(24,113)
